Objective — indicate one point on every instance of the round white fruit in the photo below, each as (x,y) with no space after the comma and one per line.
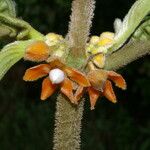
(56,76)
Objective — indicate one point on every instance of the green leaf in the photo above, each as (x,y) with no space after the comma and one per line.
(18,28)
(132,20)
(11,26)
(8,7)
(11,54)
(4,31)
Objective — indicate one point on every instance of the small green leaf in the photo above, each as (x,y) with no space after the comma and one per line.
(11,54)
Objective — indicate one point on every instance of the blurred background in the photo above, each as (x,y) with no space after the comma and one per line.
(26,123)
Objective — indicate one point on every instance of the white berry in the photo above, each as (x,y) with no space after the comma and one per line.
(56,76)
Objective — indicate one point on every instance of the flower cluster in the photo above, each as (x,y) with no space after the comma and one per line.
(71,82)
(98,47)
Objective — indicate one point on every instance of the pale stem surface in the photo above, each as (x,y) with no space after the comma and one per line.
(80,24)
(68,124)
(127,54)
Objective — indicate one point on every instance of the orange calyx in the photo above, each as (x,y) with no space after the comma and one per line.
(101,86)
(109,92)
(56,63)
(77,76)
(67,89)
(47,89)
(94,95)
(79,93)
(97,78)
(36,72)
(117,79)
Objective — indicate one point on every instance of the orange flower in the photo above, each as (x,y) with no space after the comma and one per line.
(48,87)
(101,86)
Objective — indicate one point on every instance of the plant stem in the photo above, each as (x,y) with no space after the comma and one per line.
(127,54)
(68,117)
(80,24)
(68,125)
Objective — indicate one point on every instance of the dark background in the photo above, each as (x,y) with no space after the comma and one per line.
(26,123)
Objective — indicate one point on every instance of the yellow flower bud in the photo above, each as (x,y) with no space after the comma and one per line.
(106,38)
(52,39)
(94,40)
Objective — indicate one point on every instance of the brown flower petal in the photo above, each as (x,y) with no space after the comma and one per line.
(117,79)
(79,93)
(67,89)
(37,51)
(94,95)
(77,76)
(36,72)
(47,89)
(97,78)
(56,63)
(109,92)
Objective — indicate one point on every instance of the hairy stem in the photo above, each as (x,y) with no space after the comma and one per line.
(127,54)
(79,28)
(68,117)
(68,125)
